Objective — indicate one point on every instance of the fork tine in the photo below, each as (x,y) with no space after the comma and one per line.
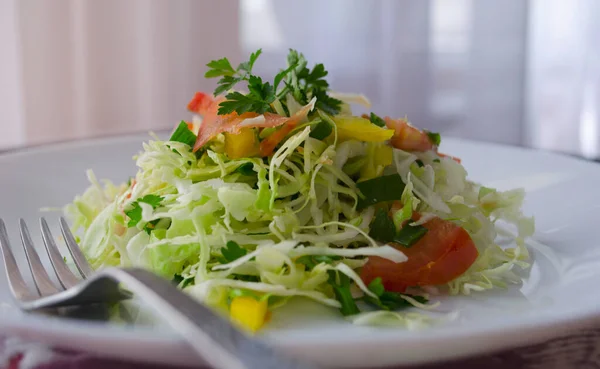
(15,279)
(42,281)
(80,261)
(66,278)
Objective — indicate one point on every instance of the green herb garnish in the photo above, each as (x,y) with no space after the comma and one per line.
(385,188)
(232,251)
(302,82)
(409,235)
(387,300)
(177,279)
(258,100)
(321,130)
(184,135)
(383,229)
(135,213)
(246,169)
(376,120)
(341,287)
(312,261)
(435,138)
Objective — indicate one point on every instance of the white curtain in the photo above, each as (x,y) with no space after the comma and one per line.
(455,66)
(78,68)
(563,87)
(511,71)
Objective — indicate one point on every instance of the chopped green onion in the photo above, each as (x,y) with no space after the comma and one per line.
(382,227)
(321,131)
(184,135)
(376,120)
(409,235)
(341,287)
(385,188)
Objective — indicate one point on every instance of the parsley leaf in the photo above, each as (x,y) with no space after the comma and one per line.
(233,251)
(261,91)
(281,75)
(183,134)
(229,76)
(226,83)
(376,120)
(303,83)
(326,103)
(247,66)
(218,68)
(241,103)
(315,78)
(135,213)
(341,288)
(435,138)
(384,188)
(153,200)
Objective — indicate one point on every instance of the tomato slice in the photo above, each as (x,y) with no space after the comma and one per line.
(407,137)
(444,253)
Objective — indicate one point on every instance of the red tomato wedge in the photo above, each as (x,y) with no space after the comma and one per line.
(444,253)
(407,137)
(213,124)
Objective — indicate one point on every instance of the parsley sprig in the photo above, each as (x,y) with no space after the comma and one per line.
(304,83)
(135,213)
(298,80)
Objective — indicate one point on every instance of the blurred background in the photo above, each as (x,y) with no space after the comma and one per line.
(510,71)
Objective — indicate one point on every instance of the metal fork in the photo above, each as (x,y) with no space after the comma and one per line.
(217,341)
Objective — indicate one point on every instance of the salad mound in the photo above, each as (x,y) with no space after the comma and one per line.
(277,190)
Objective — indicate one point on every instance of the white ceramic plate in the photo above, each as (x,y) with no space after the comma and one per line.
(560,292)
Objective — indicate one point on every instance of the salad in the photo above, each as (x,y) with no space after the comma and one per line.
(275,190)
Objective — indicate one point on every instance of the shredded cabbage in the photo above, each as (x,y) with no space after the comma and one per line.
(284,226)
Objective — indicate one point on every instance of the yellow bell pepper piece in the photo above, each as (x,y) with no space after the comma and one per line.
(357,128)
(241,145)
(379,156)
(248,312)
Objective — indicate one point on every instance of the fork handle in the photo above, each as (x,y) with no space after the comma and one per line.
(217,341)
